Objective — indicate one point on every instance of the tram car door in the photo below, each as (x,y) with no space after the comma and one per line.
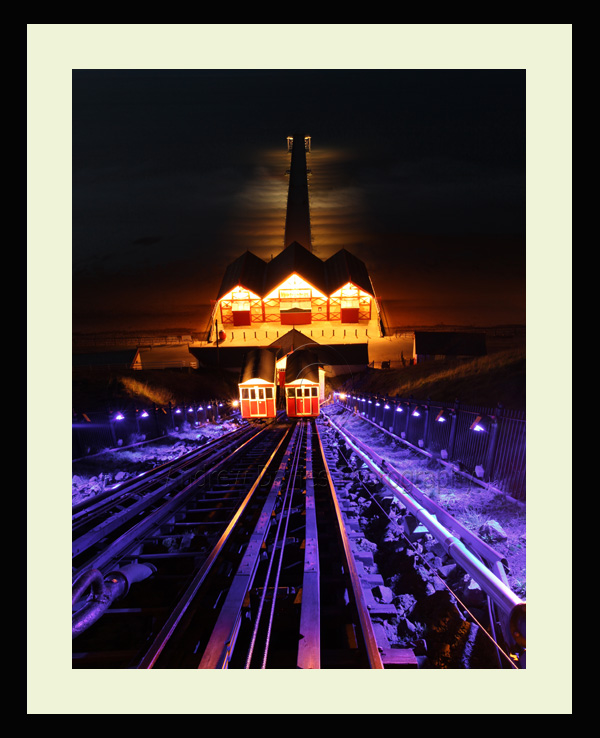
(302,401)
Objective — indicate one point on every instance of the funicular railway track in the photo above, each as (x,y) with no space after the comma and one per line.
(269,584)
(107,518)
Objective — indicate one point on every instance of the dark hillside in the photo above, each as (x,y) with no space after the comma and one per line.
(489,380)
(95,390)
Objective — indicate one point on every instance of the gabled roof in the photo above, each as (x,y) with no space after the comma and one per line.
(302,364)
(248,271)
(344,267)
(291,341)
(299,260)
(258,364)
(431,343)
(260,277)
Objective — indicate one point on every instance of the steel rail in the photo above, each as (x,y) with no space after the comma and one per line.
(373,655)
(137,532)
(113,494)
(222,641)
(309,645)
(288,496)
(151,656)
(183,474)
(511,605)
(486,552)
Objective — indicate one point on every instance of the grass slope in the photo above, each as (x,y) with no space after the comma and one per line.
(489,380)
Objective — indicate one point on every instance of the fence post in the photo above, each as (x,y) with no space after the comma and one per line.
(453,424)
(490,457)
(408,419)
(426,429)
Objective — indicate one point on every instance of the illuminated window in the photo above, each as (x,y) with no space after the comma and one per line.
(295,299)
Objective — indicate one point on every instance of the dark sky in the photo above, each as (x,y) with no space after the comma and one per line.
(419,173)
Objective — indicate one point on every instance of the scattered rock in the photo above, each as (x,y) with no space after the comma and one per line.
(492,532)
(383,593)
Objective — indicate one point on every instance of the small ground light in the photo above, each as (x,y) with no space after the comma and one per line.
(119,416)
(386,406)
(178,411)
(480,425)
(399,409)
(416,413)
(144,414)
(377,404)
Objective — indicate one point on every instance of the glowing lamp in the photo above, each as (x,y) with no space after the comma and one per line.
(416,413)
(377,404)
(399,409)
(386,406)
(480,424)
(235,403)
(119,416)
(191,410)
(442,416)
(342,396)
(178,411)
(144,414)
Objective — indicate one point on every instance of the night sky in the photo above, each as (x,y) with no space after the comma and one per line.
(421,173)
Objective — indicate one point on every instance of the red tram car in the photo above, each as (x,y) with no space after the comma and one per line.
(258,392)
(302,385)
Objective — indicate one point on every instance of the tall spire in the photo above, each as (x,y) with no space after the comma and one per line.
(297,220)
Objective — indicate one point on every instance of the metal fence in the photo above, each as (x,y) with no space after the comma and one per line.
(99,431)
(487,443)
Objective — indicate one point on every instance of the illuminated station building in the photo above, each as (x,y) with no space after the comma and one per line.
(297,298)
